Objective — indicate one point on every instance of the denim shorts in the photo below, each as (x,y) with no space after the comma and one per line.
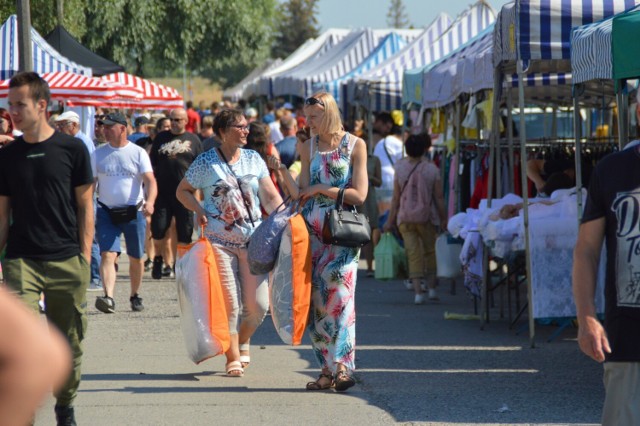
(108,234)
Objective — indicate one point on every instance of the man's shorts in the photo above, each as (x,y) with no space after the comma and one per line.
(108,234)
(165,208)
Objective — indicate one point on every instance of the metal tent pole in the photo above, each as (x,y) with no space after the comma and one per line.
(512,180)
(577,134)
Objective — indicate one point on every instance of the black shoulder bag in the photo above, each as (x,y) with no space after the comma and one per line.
(346,228)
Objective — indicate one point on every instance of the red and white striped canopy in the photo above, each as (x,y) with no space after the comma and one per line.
(82,90)
(154,95)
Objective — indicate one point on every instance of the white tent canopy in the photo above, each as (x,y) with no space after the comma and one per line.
(236,92)
(262,86)
(334,63)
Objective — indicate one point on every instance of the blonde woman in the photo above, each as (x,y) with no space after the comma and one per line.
(332,159)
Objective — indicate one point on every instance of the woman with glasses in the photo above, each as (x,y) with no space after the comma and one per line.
(332,159)
(236,184)
(6,128)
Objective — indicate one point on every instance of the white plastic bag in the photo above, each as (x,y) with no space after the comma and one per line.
(203,314)
(448,257)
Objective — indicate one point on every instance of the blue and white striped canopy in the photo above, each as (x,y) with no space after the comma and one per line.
(467,25)
(312,48)
(468,69)
(591,57)
(534,30)
(45,57)
(335,63)
(388,47)
(388,75)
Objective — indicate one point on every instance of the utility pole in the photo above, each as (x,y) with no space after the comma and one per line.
(25,62)
(60,11)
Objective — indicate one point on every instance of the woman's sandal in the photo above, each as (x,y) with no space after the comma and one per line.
(245,360)
(234,366)
(313,386)
(343,381)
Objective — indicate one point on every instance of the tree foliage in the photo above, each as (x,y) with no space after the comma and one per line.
(397,15)
(296,23)
(220,40)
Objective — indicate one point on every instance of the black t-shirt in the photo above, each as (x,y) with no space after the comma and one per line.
(614,193)
(144,142)
(171,155)
(40,180)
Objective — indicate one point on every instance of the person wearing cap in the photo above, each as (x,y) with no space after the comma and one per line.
(69,123)
(121,168)
(171,155)
(140,129)
(46,186)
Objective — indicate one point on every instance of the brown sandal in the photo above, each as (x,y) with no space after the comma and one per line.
(343,381)
(313,386)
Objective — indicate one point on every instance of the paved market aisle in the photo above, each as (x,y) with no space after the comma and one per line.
(414,367)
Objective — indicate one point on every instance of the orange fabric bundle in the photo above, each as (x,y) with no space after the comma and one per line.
(290,282)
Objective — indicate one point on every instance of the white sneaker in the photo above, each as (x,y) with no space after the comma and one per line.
(419,299)
(432,295)
(408,284)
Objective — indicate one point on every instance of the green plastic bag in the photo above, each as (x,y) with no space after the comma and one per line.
(391,260)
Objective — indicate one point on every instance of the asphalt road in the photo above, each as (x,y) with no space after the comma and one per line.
(414,367)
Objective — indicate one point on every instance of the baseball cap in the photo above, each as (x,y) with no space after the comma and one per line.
(68,116)
(288,105)
(140,121)
(251,112)
(113,118)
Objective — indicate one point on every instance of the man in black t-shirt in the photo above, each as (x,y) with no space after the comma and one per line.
(612,215)
(171,155)
(46,186)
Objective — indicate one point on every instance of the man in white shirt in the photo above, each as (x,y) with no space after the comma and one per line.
(120,169)
(389,151)
(69,123)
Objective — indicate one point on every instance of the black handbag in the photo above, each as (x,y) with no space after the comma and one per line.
(122,214)
(346,228)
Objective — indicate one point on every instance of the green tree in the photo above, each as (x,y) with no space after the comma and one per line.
(397,15)
(296,23)
(44,16)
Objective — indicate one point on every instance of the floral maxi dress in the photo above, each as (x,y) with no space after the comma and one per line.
(334,268)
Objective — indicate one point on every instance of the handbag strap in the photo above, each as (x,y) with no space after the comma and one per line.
(244,199)
(386,151)
(408,176)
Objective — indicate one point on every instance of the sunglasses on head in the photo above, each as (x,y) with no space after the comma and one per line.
(314,101)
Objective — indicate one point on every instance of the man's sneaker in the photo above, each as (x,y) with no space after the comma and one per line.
(167,271)
(95,286)
(105,304)
(156,269)
(136,303)
(147,265)
(65,416)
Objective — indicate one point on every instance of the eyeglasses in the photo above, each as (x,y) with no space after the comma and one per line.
(314,101)
(240,127)
(99,117)
(176,120)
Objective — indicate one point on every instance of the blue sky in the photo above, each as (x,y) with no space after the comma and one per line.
(373,13)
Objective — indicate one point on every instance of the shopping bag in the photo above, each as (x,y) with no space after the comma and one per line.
(265,240)
(290,282)
(203,315)
(448,257)
(391,260)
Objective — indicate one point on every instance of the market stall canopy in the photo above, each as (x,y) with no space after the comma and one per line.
(467,25)
(468,69)
(82,90)
(263,86)
(45,58)
(625,49)
(388,47)
(307,77)
(381,87)
(236,92)
(154,95)
(71,48)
